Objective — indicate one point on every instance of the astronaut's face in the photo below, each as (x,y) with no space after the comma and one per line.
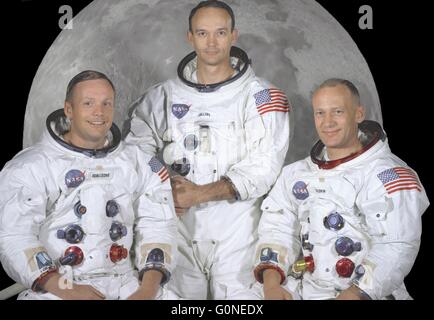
(211,36)
(336,120)
(91,113)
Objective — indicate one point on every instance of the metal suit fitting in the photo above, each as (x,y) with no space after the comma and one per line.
(334,221)
(117,253)
(73,256)
(345,267)
(79,209)
(305,242)
(111,208)
(305,264)
(117,231)
(72,233)
(345,246)
(181,166)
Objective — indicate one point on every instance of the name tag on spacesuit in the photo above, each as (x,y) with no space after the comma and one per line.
(99,175)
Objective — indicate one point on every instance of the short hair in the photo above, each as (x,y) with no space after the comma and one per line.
(84,76)
(212,4)
(333,82)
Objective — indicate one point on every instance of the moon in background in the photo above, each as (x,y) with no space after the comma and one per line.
(295,44)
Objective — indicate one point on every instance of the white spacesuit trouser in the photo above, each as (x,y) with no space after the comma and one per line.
(256,290)
(114,287)
(199,275)
(311,291)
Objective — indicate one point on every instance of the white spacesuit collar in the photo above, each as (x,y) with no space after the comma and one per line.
(370,132)
(193,76)
(57,126)
(188,66)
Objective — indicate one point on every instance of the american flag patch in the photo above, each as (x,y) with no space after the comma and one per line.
(399,178)
(269,100)
(158,168)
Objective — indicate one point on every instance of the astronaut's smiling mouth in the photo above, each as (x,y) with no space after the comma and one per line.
(331,133)
(96,123)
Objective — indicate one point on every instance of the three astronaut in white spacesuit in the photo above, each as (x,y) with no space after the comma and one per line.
(345,222)
(80,210)
(224,132)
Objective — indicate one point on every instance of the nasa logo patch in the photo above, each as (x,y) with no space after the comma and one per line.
(74,178)
(180,110)
(299,190)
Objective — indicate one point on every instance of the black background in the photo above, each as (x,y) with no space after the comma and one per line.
(395,50)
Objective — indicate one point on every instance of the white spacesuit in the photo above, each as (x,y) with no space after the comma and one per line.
(238,130)
(355,220)
(80,210)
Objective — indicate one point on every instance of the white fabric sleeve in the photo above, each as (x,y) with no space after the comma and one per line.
(279,228)
(148,120)
(22,210)
(267,139)
(155,225)
(393,218)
